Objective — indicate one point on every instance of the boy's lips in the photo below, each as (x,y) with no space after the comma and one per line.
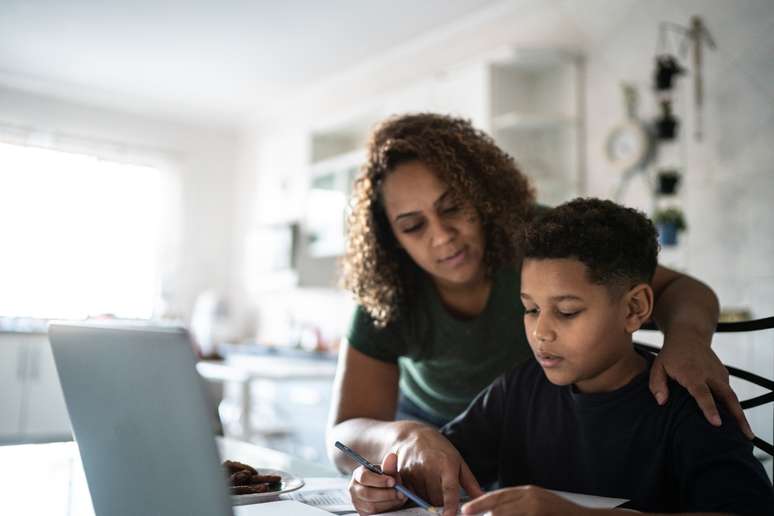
(547,359)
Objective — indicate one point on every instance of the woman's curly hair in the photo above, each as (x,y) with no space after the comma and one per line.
(375,269)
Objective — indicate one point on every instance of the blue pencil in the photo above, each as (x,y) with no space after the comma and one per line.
(378,470)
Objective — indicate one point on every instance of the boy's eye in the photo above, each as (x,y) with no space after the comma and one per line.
(569,315)
(450,209)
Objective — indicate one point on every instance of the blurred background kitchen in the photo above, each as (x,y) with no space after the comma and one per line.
(189,163)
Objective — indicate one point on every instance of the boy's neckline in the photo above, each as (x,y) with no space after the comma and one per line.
(618,375)
(593,398)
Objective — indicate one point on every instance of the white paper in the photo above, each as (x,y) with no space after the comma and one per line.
(326,493)
(331,494)
(591,501)
(280,508)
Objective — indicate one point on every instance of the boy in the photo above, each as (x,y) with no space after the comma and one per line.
(580,416)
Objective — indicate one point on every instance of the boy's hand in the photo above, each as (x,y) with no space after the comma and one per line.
(523,500)
(433,468)
(697,368)
(372,493)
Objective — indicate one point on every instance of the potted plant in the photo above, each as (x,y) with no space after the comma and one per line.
(669,222)
(668,181)
(667,123)
(667,68)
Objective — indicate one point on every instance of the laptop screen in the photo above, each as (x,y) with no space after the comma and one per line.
(140,418)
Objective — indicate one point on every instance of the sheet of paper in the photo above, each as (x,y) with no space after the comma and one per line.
(328,494)
(280,508)
(591,501)
(413,511)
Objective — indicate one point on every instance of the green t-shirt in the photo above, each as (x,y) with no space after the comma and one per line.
(444,361)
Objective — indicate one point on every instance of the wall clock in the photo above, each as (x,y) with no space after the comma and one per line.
(628,145)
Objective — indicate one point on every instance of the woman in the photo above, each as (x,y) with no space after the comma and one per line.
(433,262)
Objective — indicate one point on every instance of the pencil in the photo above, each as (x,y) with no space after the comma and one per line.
(378,470)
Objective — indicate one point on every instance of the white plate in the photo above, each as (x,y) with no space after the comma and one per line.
(287,484)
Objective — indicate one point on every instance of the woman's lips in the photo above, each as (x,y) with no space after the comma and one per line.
(454,260)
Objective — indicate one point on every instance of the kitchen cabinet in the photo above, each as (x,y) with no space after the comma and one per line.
(529,101)
(31,401)
(536,115)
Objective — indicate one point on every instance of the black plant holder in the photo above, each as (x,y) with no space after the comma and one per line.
(667,124)
(667,68)
(668,182)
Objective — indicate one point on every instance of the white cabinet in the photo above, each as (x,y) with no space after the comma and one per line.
(536,116)
(31,400)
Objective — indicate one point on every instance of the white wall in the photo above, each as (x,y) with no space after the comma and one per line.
(202,159)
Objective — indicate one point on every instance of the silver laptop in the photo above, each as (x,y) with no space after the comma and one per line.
(141,419)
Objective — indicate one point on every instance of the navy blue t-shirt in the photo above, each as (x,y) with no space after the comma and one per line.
(524,430)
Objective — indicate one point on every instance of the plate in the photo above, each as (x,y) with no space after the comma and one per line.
(288,483)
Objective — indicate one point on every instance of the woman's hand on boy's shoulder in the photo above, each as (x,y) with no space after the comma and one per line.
(694,365)
(527,500)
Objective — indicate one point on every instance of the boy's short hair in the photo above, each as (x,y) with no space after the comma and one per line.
(618,245)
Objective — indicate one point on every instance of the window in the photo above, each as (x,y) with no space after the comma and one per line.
(79,236)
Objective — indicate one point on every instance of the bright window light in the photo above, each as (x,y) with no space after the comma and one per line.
(80,235)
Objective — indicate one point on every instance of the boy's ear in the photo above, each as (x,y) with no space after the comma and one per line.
(639,306)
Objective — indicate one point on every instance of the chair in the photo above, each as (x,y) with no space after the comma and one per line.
(766,323)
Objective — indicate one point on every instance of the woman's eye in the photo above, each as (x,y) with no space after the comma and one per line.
(530,311)
(413,228)
(451,209)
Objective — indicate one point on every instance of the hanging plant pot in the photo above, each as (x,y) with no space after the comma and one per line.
(669,222)
(667,234)
(667,68)
(668,181)
(667,124)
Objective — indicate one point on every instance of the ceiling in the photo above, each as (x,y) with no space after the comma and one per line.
(216,61)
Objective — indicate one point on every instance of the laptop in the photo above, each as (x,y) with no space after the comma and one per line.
(140,416)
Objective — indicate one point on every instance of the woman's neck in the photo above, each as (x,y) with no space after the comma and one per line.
(468,300)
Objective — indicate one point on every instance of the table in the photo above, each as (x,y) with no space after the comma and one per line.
(244,370)
(48,479)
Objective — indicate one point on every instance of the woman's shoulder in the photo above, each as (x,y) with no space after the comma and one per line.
(399,335)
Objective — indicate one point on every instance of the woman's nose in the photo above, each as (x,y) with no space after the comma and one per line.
(442,233)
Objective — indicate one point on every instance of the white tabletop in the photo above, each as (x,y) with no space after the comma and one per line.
(48,479)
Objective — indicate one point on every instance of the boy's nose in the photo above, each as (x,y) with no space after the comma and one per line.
(542,331)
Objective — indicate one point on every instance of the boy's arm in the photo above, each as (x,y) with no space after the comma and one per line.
(477,432)
(686,310)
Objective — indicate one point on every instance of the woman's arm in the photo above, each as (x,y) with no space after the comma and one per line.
(365,396)
(686,310)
